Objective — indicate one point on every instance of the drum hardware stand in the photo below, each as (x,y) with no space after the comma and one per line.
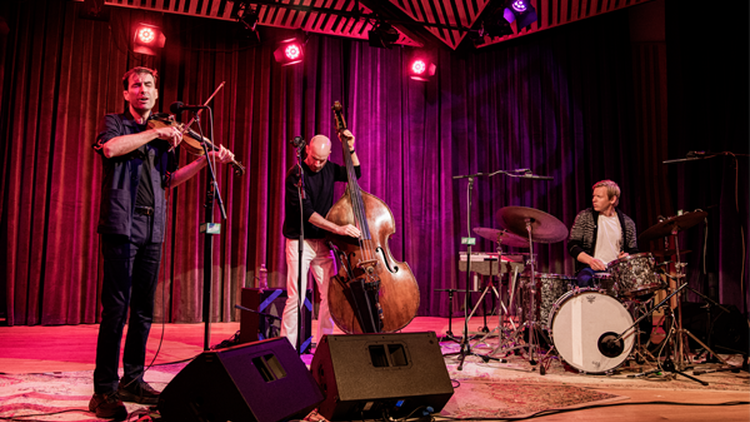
(706,347)
(531,325)
(640,351)
(501,308)
(681,331)
(610,343)
(614,345)
(449,334)
(487,286)
(533,341)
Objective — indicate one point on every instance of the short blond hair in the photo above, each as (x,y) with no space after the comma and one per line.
(612,189)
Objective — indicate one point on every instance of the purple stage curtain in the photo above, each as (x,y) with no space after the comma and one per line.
(579,103)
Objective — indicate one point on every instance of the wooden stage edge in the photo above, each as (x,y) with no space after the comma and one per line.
(37,349)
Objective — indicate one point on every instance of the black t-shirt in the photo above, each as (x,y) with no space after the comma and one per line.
(145,195)
(318,197)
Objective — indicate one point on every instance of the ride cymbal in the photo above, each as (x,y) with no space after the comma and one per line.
(545,228)
(672,225)
(503,237)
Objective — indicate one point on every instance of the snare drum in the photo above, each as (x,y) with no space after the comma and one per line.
(549,288)
(634,274)
(581,323)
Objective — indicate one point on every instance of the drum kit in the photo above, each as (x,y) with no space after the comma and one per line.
(592,329)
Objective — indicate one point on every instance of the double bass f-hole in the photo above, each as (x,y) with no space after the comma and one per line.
(381,251)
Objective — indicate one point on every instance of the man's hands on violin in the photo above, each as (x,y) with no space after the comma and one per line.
(171,134)
(223,155)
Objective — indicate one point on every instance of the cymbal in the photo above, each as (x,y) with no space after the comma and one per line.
(502,236)
(670,252)
(545,228)
(672,224)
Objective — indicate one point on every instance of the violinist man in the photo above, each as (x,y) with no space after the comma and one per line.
(139,165)
(319,176)
(601,234)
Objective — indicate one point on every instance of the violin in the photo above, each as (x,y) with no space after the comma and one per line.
(191,139)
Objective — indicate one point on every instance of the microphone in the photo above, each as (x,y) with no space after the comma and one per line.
(534,176)
(690,156)
(178,107)
(297,142)
(610,345)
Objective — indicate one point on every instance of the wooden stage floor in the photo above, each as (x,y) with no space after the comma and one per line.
(37,349)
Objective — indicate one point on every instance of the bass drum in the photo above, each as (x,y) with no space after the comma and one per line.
(583,326)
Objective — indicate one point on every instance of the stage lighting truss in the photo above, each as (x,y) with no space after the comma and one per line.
(245,15)
(147,38)
(383,35)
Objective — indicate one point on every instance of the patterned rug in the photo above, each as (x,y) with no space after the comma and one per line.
(491,400)
(64,396)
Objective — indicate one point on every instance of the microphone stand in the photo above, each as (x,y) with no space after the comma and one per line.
(210,229)
(299,144)
(703,155)
(469,241)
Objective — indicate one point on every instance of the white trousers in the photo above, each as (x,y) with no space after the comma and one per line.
(317,257)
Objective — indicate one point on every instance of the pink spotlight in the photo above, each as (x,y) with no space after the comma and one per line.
(419,67)
(292,51)
(289,52)
(421,70)
(148,38)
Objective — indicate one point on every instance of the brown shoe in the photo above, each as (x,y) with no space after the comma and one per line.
(108,406)
(138,392)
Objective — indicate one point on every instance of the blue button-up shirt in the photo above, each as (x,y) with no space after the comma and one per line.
(122,175)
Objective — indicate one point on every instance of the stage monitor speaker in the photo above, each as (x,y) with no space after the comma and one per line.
(365,376)
(263,319)
(264,381)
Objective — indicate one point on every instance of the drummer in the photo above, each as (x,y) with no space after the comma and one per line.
(601,234)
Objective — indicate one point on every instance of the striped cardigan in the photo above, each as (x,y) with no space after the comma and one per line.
(583,234)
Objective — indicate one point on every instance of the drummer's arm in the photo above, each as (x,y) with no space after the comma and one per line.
(594,263)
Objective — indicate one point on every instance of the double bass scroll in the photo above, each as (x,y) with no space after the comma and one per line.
(372,292)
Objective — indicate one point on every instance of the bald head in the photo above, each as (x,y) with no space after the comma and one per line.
(318,150)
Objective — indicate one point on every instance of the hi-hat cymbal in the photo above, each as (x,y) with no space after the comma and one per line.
(503,237)
(545,228)
(672,225)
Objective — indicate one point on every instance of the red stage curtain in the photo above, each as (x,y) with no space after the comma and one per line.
(579,103)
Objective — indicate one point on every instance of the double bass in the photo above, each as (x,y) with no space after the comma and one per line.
(372,292)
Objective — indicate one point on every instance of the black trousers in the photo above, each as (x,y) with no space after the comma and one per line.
(131,269)
(585,277)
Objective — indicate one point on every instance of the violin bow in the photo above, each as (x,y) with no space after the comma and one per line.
(216,91)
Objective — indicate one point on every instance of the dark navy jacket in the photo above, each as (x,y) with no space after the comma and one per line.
(122,176)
